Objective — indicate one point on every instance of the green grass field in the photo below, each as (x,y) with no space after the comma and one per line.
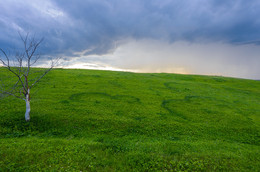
(87,120)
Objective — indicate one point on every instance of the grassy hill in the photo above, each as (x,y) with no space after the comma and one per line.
(87,120)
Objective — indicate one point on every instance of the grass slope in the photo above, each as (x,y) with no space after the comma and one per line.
(86,120)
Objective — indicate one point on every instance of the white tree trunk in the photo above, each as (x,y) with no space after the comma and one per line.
(28,107)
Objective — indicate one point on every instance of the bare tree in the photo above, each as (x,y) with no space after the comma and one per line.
(20,64)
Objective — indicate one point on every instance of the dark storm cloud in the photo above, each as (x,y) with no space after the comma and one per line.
(96,25)
(231,21)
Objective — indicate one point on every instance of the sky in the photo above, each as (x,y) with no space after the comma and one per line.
(209,37)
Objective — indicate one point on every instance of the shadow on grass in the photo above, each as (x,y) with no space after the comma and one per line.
(126,98)
(176,87)
(16,126)
(168,105)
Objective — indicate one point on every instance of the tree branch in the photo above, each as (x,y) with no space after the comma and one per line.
(41,76)
(14,95)
(7,65)
(22,66)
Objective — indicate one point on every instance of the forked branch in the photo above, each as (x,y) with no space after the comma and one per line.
(23,62)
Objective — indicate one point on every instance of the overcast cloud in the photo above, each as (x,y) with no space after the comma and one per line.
(193,36)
